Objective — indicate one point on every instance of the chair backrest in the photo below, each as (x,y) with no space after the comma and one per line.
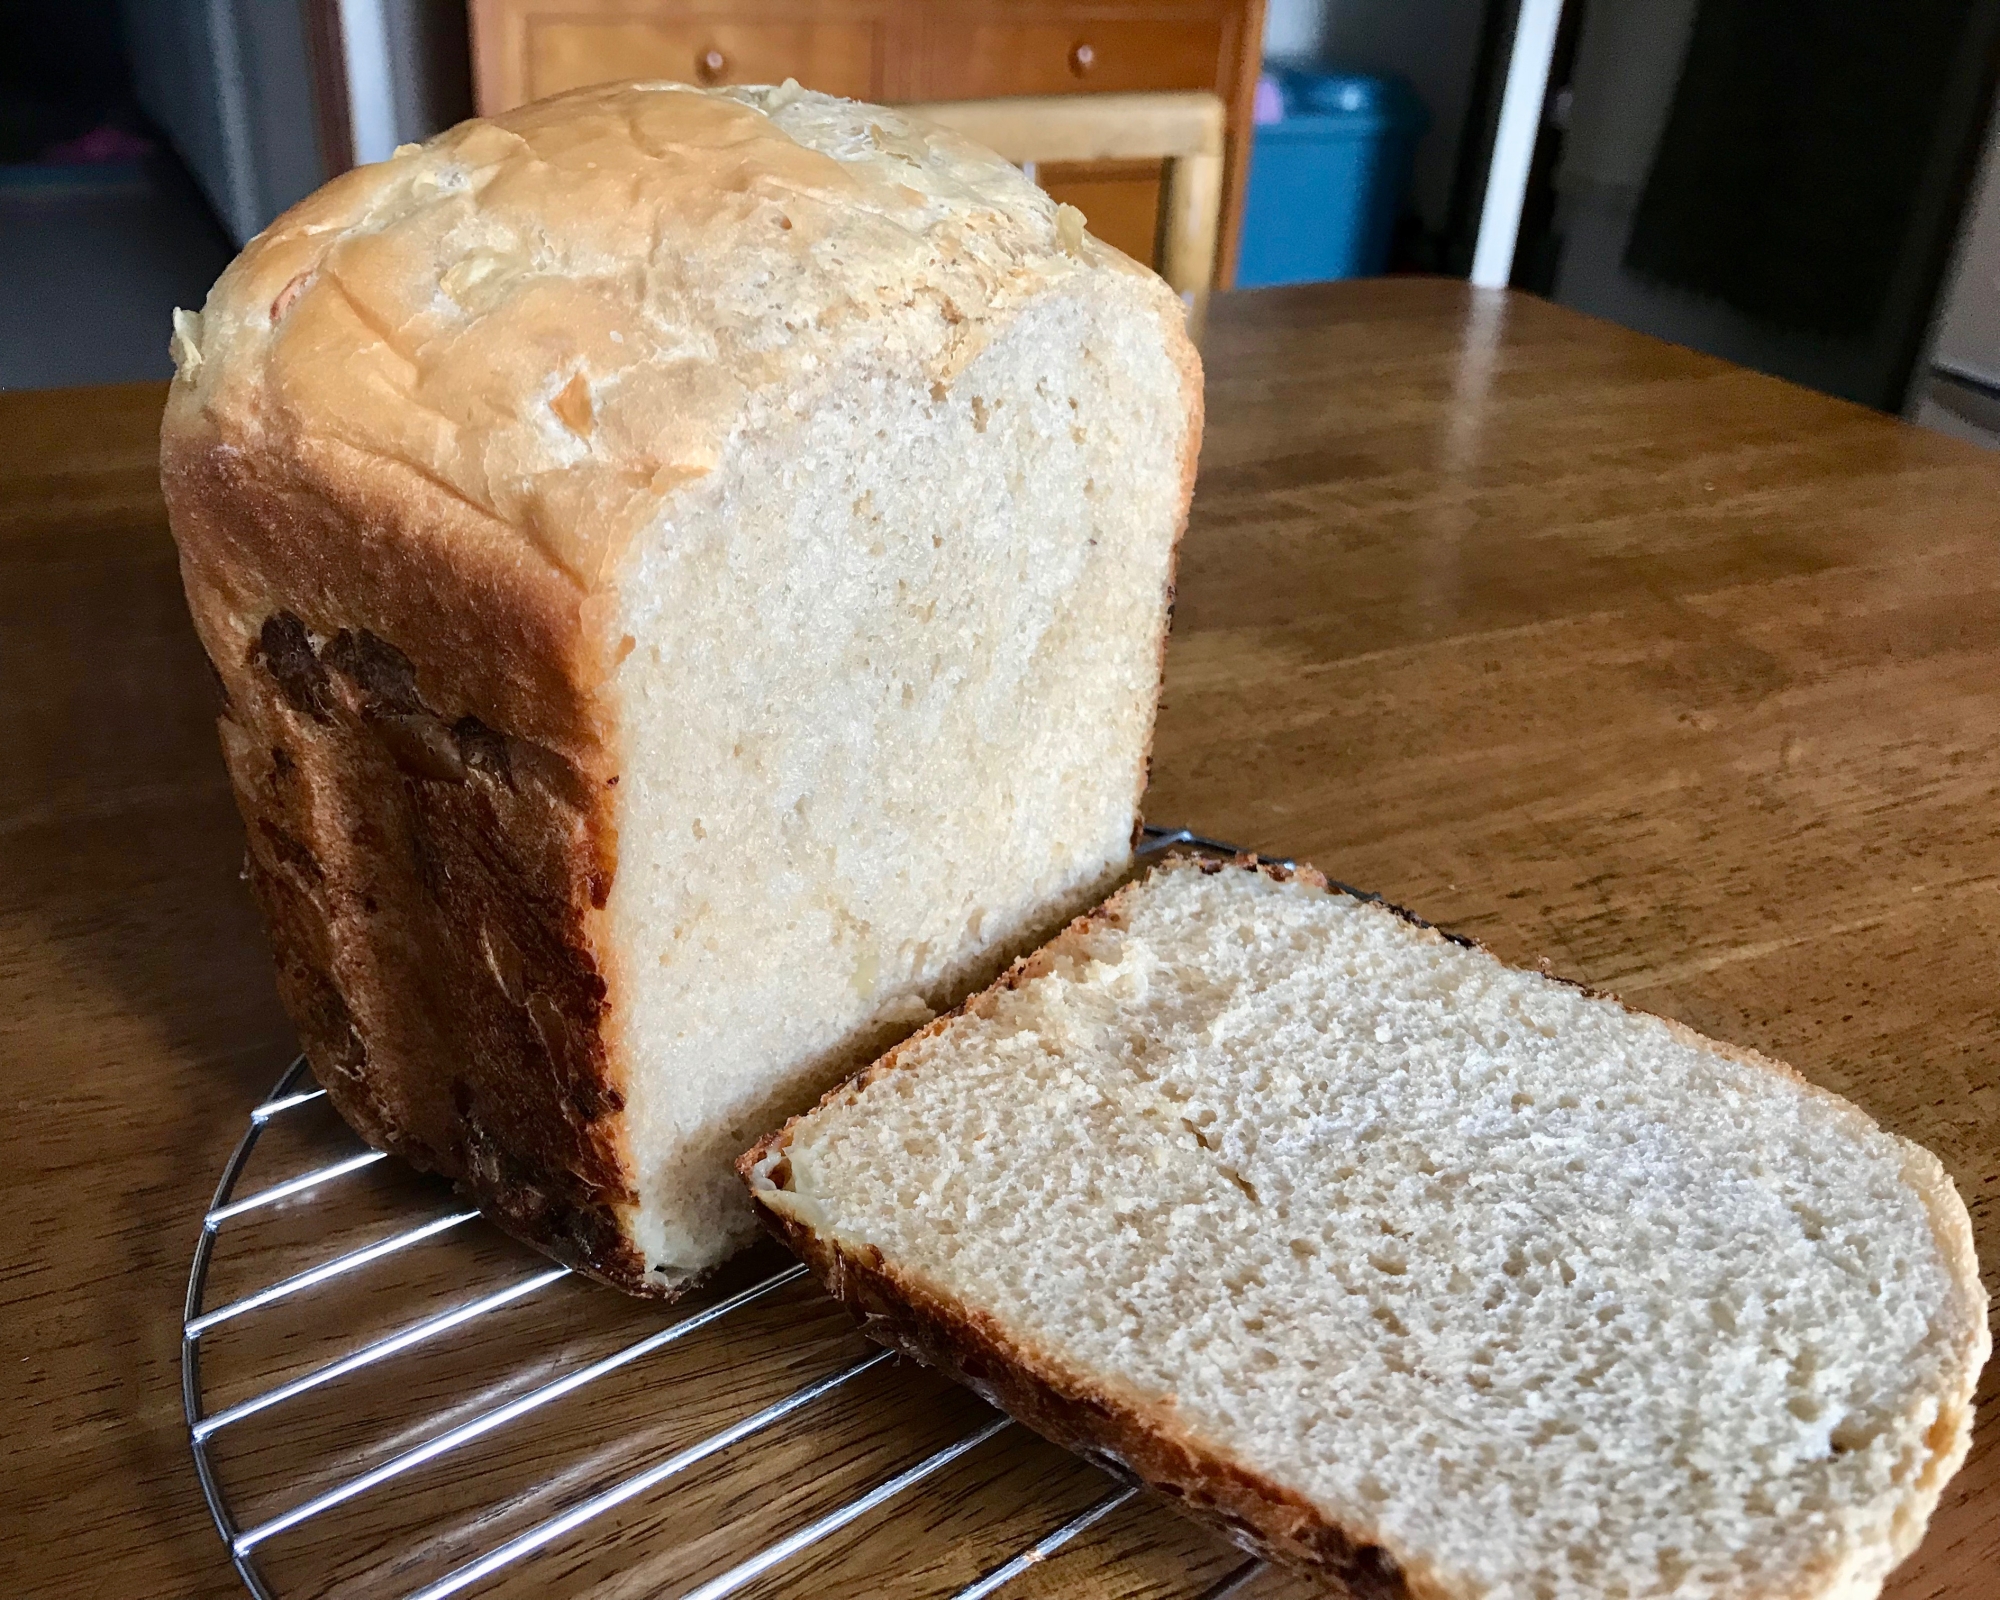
(1182,129)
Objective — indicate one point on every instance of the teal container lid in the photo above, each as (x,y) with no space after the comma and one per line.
(1346,102)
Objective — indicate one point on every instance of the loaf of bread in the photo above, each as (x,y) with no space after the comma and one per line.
(1445,1279)
(686,575)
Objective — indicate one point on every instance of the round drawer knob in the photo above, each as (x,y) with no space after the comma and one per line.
(1081,59)
(710,65)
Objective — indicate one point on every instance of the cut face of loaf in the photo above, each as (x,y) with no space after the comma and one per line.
(1445,1279)
(688,576)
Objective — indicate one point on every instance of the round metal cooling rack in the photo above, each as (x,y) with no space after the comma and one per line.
(391,1398)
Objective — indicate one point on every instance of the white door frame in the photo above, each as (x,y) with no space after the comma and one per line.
(371,88)
(1514,142)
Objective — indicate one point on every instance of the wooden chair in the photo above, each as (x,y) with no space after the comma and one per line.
(1182,129)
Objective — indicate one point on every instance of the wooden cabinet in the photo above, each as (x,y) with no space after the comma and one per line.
(525,49)
(1120,200)
(892,50)
(566,52)
(978,57)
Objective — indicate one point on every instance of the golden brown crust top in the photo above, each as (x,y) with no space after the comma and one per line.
(560,314)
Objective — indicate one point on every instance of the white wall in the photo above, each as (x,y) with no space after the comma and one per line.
(1433,43)
(407,74)
(230,84)
(372,122)
(1294,27)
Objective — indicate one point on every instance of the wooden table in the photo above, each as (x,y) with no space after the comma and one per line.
(1604,652)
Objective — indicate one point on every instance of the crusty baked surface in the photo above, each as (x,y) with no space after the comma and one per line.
(1135,1435)
(429,874)
(414,431)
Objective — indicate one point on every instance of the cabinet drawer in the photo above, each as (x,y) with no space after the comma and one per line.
(989,58)
(567,51)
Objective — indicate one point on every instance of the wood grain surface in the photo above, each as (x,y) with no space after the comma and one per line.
(1681,679)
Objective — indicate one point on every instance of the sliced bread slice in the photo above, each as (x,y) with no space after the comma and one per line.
(1443,1278)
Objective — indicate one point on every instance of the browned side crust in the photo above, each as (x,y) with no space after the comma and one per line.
(430,832)
(1129,1439)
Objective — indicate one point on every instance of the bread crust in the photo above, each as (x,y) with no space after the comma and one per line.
(1121,1433)
(1135,1436)
(429,827)
(415,431)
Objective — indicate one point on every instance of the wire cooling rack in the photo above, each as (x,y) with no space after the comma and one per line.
(387,1397)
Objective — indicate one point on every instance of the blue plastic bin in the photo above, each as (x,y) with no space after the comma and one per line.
(1327,181)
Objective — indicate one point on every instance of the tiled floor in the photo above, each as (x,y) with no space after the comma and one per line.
(93,261)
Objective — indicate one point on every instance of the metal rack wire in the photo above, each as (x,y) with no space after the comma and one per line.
(319,1185)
